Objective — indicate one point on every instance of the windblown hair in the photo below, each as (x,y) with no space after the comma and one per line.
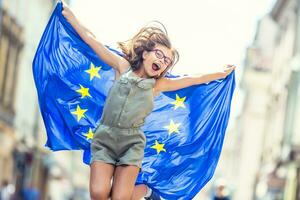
(145,40)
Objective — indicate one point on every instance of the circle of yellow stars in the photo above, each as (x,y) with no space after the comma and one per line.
(93,72)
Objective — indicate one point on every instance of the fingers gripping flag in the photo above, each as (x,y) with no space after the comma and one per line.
(185,131)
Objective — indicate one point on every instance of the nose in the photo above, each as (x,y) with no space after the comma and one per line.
(162,62)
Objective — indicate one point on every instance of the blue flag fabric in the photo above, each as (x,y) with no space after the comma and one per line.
(185,131)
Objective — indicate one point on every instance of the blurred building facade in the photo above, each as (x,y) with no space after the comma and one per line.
(24,161)
(268,160)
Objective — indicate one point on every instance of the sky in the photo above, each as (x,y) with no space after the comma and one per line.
(208,34)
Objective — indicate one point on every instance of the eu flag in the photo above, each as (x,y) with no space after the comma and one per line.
(185,131)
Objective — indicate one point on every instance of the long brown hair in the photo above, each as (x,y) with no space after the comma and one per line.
(145,40)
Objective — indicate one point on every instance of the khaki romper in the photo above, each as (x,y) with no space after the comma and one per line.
(119,139)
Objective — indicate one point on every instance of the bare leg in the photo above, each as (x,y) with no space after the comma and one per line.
(100,180)
(139,192)
(124,180)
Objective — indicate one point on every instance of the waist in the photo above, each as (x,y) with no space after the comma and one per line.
(120,125)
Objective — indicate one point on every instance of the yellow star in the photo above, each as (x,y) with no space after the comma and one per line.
(172,127)
(79,112)
(158,147)
(93,71)
(179,102)
(90,134)
(83,91)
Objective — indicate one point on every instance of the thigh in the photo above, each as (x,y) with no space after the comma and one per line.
(100,177)
(124,181)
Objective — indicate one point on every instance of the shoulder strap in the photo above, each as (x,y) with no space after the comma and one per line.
(128,69)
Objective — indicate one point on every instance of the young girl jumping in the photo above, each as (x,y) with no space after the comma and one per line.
(118,144)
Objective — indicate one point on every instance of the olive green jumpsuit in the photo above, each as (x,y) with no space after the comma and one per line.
(119,139)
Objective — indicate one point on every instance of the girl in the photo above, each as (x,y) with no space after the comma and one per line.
(118,144)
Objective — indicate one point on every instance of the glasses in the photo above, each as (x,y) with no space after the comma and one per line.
(159,54)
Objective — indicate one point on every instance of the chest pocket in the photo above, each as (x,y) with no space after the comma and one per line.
(145,85)
(123,81)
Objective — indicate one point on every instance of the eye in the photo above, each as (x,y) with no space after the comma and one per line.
(159,54)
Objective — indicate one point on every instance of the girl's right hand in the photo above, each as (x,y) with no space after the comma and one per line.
(68,14)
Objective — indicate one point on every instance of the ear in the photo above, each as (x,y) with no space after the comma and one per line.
(145,54)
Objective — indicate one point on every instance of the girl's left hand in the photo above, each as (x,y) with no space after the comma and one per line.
(227,69)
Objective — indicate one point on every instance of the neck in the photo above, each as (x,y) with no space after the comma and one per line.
(141,73)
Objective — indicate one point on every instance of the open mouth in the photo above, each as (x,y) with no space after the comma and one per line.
(155,67)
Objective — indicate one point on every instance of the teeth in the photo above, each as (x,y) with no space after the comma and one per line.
(157,65)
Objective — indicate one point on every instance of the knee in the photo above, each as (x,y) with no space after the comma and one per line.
(97,193)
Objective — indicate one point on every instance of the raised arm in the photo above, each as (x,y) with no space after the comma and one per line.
(117,62)
(167,84)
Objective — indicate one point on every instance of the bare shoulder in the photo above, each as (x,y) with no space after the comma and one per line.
(122,67)
(159,85)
